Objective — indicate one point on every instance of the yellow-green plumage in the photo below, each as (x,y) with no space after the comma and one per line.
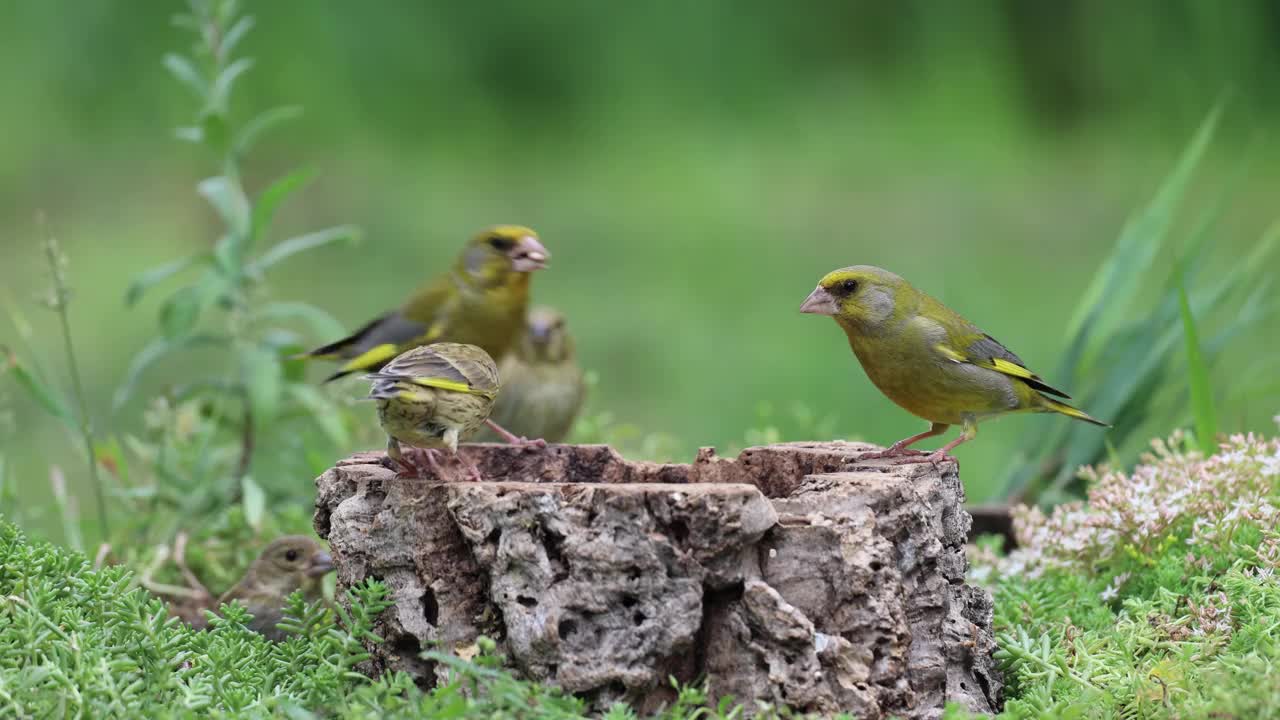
(481,301)
(432,396)
(927,358)
(542,385)
(293,562)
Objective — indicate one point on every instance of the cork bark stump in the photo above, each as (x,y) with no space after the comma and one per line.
(794,574)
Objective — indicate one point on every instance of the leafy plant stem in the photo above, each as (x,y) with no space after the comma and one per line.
(59,302)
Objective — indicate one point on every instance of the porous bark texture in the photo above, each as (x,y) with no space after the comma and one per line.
(795,574)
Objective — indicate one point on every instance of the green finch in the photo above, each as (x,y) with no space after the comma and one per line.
(432,396)
(481,301)
(542,385)
(928,359)
(293,562)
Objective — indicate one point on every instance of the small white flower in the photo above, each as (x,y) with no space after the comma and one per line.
(1270,466)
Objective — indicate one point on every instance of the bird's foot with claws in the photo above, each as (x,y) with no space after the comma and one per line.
(404,469)
(933,458)
(892,452)
(473,472)
(428,461)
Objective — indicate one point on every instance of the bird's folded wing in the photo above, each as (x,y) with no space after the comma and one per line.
(428,368)
(987,352)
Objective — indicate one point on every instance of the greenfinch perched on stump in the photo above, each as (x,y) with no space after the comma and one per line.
(289,563)
(928,359)
(542,385)
(431,397)
(481,301)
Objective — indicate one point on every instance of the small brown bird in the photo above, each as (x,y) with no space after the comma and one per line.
(431,397)
(292,562)
(542,385)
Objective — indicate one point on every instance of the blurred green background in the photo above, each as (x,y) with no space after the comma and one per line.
(693,167)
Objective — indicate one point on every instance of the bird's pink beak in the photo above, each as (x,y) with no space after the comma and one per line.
(529,255)
(321,563)
(819,302)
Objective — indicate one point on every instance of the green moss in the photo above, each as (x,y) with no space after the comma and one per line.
(1159,598)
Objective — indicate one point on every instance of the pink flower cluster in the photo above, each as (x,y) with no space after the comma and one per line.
(1174,496)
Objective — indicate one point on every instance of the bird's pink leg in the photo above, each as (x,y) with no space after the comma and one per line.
(395,459)
(512,438)
(432,462)
(473,472)
(900,447)
(937,456)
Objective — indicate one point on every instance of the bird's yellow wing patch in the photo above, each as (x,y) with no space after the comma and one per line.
(452,385)
(442,384)
(950,354)
(1014,369)
(372,357)
(986,352)
(1000,365)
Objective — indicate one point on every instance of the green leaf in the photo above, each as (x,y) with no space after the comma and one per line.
(181,312)
(45,395)
(254,500)
(235,34)
(228,254)
(322,324)
(1113,287)
(262,377)
(220,93)
(185,71)
(1206,419)
(156,275)
(228,200)
(260,124)
(271,198)
(151,353)
(214,131)
(322,410)
(294,245)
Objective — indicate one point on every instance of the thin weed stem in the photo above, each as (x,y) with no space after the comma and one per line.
(59,301)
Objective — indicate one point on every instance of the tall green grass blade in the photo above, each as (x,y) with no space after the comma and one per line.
(1113,287)
(1206,419)
(1124,370)
(44,394)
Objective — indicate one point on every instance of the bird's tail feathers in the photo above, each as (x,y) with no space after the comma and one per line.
(384,387)
(1051,405)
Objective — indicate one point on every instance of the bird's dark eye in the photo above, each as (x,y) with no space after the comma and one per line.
(291,555)
(501,243)
(849,286)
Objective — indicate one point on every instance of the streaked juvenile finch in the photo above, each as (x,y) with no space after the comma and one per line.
(431,397)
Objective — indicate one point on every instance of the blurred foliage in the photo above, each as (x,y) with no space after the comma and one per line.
(262,399)
(1123,357)
(693,169)
(191,465)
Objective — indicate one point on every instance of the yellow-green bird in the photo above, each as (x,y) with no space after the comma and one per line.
(431,397)
(289,563)
(542,385)
(928,359)
(481,301)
